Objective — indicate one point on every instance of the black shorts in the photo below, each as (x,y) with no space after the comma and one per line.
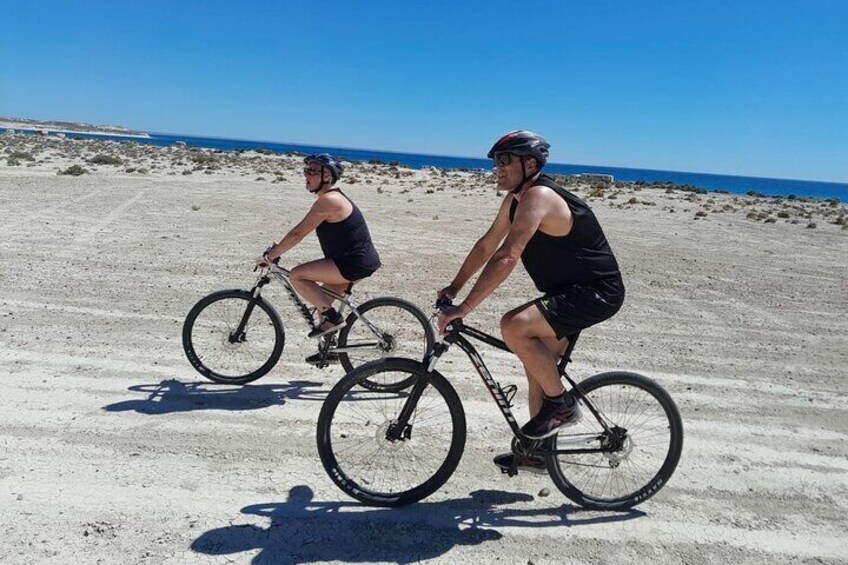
(357,267)
(577,307)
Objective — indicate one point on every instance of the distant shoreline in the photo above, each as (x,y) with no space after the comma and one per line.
(46,128)
(695,182)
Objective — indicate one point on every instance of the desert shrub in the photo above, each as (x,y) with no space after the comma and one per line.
(12,162)
(633,201)
(73,170)
(21,156)
(202,158)
(142,171)
(103,159)
(700,214)
(811,225)
(783,214)
(771,220)
(186,172)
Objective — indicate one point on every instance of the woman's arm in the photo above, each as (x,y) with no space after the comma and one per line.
(322,209)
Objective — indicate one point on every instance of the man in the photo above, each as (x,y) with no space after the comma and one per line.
(567,256)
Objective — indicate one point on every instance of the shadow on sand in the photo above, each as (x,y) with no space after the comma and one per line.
(174,396)
(304,531)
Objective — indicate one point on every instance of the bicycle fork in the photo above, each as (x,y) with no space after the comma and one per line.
(239,335)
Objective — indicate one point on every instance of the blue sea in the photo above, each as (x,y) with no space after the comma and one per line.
(705,181)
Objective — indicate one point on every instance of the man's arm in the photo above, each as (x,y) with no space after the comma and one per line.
(528,217)
(483,249)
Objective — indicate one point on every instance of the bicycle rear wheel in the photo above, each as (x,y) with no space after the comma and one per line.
(394,328)
(649,442)
(352,439)
(210,343)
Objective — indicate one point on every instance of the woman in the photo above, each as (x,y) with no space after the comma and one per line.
(349,254)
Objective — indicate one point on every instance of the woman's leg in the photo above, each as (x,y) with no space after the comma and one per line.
(305,279)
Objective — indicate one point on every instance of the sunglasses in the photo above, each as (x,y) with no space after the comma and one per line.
(309,172)
(502,158)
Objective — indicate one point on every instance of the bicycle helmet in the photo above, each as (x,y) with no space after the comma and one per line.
(522,142)
(326,160)
(526,144)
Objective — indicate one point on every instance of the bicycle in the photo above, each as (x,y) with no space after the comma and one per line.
(235,336)
(395,449)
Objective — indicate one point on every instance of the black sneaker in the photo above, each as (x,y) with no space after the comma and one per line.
(330,322)
(552,416)
(531,464)
(330,358)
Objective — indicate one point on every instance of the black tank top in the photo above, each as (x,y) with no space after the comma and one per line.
(348,238)
(581,257)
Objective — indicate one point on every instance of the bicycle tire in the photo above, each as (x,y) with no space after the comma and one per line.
(618,395)
(408,336)
(352,442)
(211,359)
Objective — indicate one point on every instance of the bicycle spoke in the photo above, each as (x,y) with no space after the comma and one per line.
(645,443)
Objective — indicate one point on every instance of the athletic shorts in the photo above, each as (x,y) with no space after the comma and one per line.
(577,307)
(357,267)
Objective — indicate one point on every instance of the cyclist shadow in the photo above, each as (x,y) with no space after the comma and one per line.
(303,530)
(172,395)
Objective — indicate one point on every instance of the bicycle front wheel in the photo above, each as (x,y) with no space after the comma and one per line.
(219,352)
(645,443)
(386,327)
(353,431)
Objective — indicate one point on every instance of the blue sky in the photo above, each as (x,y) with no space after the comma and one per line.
(747,88)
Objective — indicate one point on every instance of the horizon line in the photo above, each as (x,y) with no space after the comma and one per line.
(844,183)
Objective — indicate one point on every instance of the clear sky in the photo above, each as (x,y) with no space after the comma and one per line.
(756,88)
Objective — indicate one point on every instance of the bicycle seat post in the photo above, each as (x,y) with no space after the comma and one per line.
(566,356)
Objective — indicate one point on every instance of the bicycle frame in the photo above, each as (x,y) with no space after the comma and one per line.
(283,275)
(456,329)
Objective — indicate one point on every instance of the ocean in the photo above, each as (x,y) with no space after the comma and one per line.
(705,181)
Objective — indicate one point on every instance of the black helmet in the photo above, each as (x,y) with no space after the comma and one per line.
(327,160)
(521,142)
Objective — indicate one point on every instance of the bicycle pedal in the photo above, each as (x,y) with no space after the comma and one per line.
(322,361)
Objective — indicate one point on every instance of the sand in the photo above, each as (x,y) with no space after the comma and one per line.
(114,450)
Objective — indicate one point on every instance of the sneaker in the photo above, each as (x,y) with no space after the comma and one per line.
(531,463)
(330,322)
(553,415)
(330,358)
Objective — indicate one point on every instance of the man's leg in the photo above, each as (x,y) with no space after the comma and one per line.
(304,277)
(534,395)
(529,335)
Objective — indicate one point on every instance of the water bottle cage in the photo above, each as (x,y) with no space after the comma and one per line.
(509,393)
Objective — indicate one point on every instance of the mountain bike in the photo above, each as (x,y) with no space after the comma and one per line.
(236,336)
(396,448)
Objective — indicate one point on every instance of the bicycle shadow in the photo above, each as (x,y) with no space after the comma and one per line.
(303,530)
(171,396)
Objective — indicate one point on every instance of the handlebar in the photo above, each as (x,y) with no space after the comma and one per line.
(441,305)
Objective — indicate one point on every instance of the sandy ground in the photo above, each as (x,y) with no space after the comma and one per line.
(115,451)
